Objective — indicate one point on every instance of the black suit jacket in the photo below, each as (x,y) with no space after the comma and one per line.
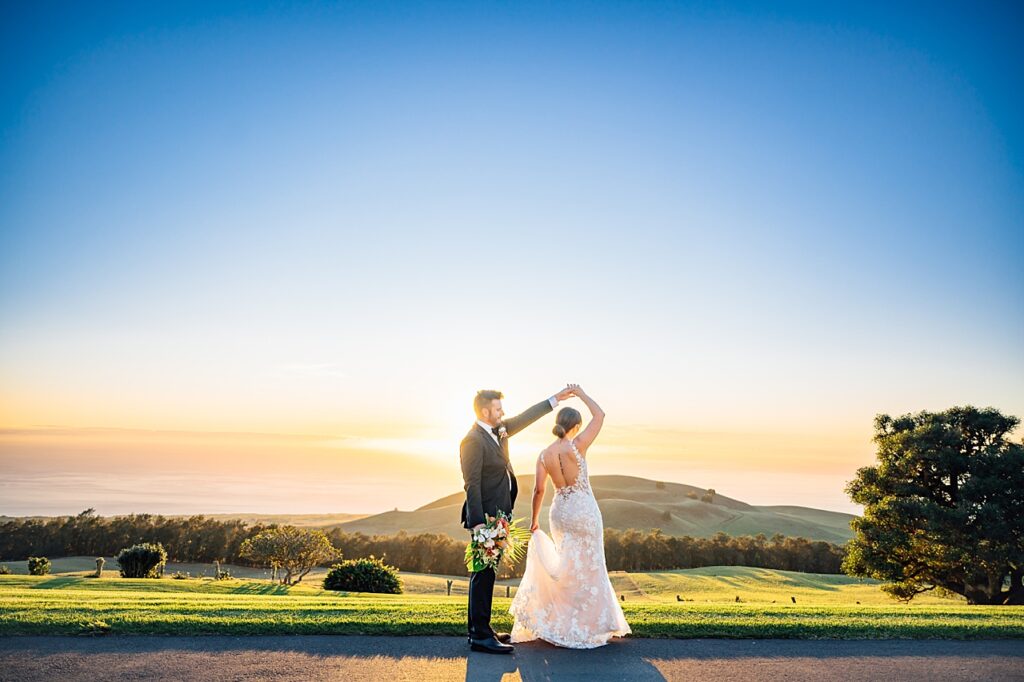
(486,470)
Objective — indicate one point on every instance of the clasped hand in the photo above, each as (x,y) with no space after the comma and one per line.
(569,391)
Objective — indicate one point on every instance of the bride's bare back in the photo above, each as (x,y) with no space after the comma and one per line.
(559,463)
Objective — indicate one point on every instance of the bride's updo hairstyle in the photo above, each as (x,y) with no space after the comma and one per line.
(565,421)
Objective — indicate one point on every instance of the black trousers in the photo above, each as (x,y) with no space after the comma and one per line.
(481,593)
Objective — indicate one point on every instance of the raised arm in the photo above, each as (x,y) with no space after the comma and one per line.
(588,434)
(471,456)
(514,425)
(541,482)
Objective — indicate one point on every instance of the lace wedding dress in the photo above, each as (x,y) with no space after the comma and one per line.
(565,596)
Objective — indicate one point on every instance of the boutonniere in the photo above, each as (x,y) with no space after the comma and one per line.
(502,433)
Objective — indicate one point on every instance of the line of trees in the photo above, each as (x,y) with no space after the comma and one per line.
(634,550)
(630,550)
(204,540)
(194,539)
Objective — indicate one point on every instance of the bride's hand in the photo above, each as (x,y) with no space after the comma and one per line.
(534,526)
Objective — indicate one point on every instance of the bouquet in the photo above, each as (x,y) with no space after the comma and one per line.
(500,537)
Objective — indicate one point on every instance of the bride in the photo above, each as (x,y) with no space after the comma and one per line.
(565,596)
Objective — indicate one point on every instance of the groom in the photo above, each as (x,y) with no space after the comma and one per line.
(491,486)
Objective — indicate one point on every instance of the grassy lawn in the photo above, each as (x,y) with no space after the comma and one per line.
(709,584)
(77,605)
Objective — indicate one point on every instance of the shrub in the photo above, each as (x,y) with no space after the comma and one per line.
(38,565)
(5,569)
(296,551)
(142,561)
(363,575)
(178,575)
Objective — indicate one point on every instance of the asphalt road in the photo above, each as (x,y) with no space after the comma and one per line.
(212,659)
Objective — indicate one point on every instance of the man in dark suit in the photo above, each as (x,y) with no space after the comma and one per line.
(490,487)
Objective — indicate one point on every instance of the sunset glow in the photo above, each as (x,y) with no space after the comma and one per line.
(257,262)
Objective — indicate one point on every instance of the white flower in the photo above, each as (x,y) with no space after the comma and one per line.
(489,543)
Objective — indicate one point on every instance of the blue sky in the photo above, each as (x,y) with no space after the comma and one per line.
(724,217)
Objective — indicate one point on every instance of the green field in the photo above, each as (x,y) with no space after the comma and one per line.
(825,608)
(700,585)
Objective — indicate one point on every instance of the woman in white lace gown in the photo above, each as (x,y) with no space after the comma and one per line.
(565,596)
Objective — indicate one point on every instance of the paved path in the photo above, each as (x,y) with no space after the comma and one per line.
(212,659)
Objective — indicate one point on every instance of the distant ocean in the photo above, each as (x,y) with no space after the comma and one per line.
(275,493)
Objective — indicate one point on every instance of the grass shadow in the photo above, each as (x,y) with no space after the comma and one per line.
(269,588)
(58,583)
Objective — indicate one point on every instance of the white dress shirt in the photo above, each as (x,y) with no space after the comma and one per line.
(488,428)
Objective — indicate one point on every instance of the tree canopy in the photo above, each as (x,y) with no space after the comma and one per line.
(943,507)
(296,551)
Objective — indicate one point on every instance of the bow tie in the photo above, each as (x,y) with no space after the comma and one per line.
(494,430)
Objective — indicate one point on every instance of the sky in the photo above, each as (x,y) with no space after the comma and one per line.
(260,256)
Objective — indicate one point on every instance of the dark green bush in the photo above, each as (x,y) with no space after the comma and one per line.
(38,565)
(363,575)
(5,569)
(142,561)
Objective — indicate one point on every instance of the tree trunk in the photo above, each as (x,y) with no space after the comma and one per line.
(1015,595)
(992,594)
(975,594)
(995,587)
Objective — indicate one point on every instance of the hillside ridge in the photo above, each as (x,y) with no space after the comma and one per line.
(633,502)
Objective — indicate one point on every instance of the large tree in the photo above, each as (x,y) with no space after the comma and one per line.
(943,508)
(296,551)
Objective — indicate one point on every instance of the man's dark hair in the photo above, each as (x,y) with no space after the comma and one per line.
(483,399)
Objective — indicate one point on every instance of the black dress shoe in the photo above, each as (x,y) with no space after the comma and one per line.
(503,637)
(491,646)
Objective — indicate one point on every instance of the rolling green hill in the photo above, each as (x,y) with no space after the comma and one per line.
(631,502)
(625,501)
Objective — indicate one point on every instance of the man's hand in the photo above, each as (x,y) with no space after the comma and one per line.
(565,393)
(479,526)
